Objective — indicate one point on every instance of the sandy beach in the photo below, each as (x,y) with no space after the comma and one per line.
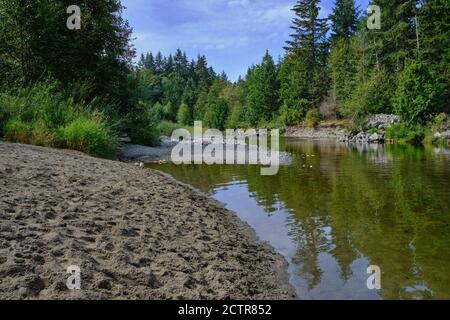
(135,233)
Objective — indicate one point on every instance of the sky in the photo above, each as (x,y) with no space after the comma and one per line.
(233,34)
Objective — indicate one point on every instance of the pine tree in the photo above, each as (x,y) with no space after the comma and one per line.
(434,39)
(202,73)
(396,41)
(169,65)
(309,44)
(181,64)
(159,63)
(310,36)
(263,87)
(344,19)
(150,62)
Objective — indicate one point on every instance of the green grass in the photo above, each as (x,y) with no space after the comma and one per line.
(42,115)
(89,135)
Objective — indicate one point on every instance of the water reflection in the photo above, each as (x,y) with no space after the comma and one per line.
(338,209)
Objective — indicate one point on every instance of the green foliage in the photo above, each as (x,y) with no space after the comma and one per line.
(184,116)
(419,93)
(141,125)
(344,20)
(216,114)
(42,115)
(294,115)
(236,120)
(307,56)
(371,96)
(263,87)
(89,135)
(440,123)
(166,128)
(17,131)
(35,42)
(344,60)
(312,117)
(404,133)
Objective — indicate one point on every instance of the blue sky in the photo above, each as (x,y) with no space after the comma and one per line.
(233,34)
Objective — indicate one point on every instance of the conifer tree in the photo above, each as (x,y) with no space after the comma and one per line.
(344,19)
(263,87)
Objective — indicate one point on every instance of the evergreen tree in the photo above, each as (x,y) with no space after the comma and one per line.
(396,41)
(159,63)
(150,62)
(344,19)
(181,64)
(184,115)
(35,42)
(263,89)
(309,44)
(169,65)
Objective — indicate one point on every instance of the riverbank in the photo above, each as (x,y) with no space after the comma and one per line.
(135,234)
(325,130)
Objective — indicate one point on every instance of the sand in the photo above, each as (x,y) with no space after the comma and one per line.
(135,233)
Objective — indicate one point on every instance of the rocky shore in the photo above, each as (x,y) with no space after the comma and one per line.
(134,233)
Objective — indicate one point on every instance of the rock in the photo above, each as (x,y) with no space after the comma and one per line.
(364,138)
(381,121)
(105,284)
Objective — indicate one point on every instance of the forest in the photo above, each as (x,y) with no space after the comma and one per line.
(84,89)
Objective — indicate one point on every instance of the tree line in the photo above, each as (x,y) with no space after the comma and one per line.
(334,67)
(58,86)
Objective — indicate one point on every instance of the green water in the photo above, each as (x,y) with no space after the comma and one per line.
(386,206)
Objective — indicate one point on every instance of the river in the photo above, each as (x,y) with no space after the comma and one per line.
(339,209)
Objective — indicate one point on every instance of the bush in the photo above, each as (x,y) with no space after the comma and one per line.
(419,94)
(89,135)
(17,131)
(312,117)
(43,136)
(440,123)
(403,133)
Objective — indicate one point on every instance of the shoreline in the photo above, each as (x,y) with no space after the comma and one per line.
(124,227)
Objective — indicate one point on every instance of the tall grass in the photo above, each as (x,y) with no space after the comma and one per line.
(42,115)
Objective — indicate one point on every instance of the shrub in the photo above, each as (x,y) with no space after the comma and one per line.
(440,123)
(312,117)
(17,131)
(419,93)
(406,133)
(89,135)
(43,136)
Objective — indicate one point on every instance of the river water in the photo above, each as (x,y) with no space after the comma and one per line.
(336,210)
